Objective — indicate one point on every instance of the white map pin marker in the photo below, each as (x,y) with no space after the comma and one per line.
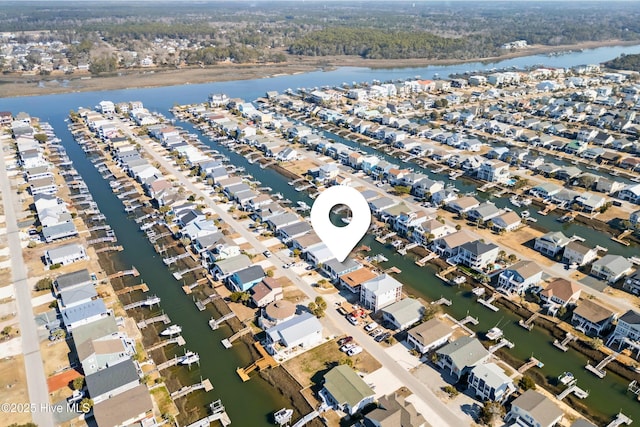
(340,240)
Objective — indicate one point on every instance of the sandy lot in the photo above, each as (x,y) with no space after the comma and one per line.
(13,388)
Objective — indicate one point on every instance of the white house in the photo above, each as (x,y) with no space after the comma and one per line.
(380,292)
(429,335)
(65,255)
(489,382)
(611,268)
(551,243)
(459,356)
(579,254)
(404,313)
(519,277)
(477,254)
(534,409)
(303,331)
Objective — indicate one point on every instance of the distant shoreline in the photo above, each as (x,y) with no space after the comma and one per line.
(18,86)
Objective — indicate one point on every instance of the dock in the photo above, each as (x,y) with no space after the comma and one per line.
(149,302)
(580,393)
(202,303)
(202,385)
(384,238)
(171,260)
(422,261)
(620,238)
(132,272)
(265,361)
(528,324)
(462,323)
(218,413)
(228,342)
(304,420)
(488,302)
(530,364)
(619,420)
(177,340)
(393,269)
(503,343)
(102,240)
(115,248)
(146,322)
(178,275)
(442,301)
(567,339)
(215,323)
(548,209)
(128,289)
(403,250)
(598,370)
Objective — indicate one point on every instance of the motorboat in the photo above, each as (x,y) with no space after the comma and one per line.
(494,333)
(189,358)
(566,378)
(171,330)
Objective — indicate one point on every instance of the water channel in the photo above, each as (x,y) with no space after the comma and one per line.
(250,403)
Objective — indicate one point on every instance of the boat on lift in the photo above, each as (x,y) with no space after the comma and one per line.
(189,358)
(171,330)
(494,333)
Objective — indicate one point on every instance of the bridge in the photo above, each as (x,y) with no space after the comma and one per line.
(598,370)
(227,342)
(528,324)
(567,339)
(149,302)
(204,384)
(146,322)
(215,323)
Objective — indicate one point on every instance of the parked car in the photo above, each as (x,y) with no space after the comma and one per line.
(345,340)
(355,350)
(267,254)
(345,348)
(370,326)
(382,337)
(375,333)
(353,320)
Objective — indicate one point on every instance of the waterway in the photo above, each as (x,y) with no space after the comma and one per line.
(250,403)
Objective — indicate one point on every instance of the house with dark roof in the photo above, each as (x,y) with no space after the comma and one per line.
(519,277)
(477,254)
(345,390)
(111,381)
(534,409)
(459,356)
(429,335)
(131,407)
(266,291)
(245,279)
(591,318)
(632,283)
(628,326)
(72,280)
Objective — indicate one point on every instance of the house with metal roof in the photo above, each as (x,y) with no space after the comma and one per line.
(628,326)
(245,279)
(459,356)
(77,295)
(318,254)
(534,409)
(489,382)
(611,268)
(485,212)
(394,411)
(379,292)
(74,279)
(83,313)
(104,327)
(303,331)
(577,253)
(335,268)
(404,313)
(345,390)
(551,243)
(429,335)
(507,221)
(98,354)
(226,267)
(111,381)
(477,254)
(132,407)
(294,230)
(519,277)
(65,255)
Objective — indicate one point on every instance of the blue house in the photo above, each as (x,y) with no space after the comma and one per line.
(244,279)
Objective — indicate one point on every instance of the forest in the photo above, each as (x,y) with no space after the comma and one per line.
(625,62)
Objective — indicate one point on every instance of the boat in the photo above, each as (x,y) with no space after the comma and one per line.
(526,201)
(494,333)
(396,243)
(346,220)
(525,214)
(189,358)
(479,291)
(567,378)
(515,201)
(171,330)
(283,416)
(303,205)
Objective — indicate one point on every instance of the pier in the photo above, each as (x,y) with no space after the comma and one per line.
(171,260)
(384,238)
(580,393)
(503,343)
(127,290)
(528,324)
(304,420)
(422,261)
(567,339)
(149,302)
(619,420)
(204,384)
(488,302)
(146,322)
(118,248)
(202,304)
(228,342)
(215,323)
(462,323)
(178,274)
(530,364)
(102,240)
(265,361)
(620,238)
(218,413)
(442,301)
(404,249)
(598,370)
(548,209)
(132,272)
(177,340)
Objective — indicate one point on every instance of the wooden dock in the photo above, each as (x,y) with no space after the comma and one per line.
(228,342)
(393,269)
(215,323)
(115,248)
(218,413)
(530,364)
(422,261)
(265,361)
(548,209)
(580,393)
(442,301)
(127,290)
(132,272)
(528,324)
(202,304)
(503,343)
(598,370)
(488,302)
(171,260)
(204,384)
(619,420)
(146,322)
(149,302)
(563,345)
(620,238)
(177,340)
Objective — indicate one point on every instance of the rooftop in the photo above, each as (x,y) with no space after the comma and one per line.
(346,386)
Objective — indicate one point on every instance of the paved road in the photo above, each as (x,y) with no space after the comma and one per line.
(36,380)
(440,416)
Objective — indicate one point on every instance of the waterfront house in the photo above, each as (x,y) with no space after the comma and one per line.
(590,202)
(632,283)
(450,244)
(519,277)
(463,204)
(577,253)
(334,268)
(345,390)
(406,221)
(628,326)
(83,313)
(305,241)
(430,230)
(303,331)
(459,356)
(489,382)
(611,268)
(379,292)
(245,279)
(291,231)
(275,223)
(45,185)
(318,254)
(545,190)
(429,335)
(483,213)
(560,293)
(634,218)
(268,211)
(353,280)
(77,295)
(551,243)
(426,186)
(507,221)
(591,318)
(75,279)
(477,254)
(132,407)
(443,197)
(630,193)
(404,313)
(394,411)
(65,255)
(276,312)
(103,328)
(112,381)
(494,171)
(95,355)
(534,409)
(226,267)
(266,291)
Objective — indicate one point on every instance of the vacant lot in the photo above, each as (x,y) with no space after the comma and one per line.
(310,367)
(13,388)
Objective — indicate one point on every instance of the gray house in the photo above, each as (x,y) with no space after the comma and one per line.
(112,381)
(459,356)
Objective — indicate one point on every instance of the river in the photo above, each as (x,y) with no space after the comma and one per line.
(250,403)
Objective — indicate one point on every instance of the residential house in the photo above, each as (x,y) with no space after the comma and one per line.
(302,331)
(630,193)
(577,253)
(590,202)
(489,382)
(484,213)
(477,255)
(551,243)
(226,267)
(545,190)
(429,335)
(335,268)
(83,313)
(353,280)
(494,171)
(245,279)
(101,353)
(77,295)
(404,313)
(519,277)
(632,283)
(611,268)
(75,279)
(112,381)
(449,245)
(345,390)
(430,230)
(65,255)
(634,218)
(507,221)
(459,356)
(533,409)
(628,326)
(379,292)
(591,318)
(297,229)
(463,204)
(560,293)
(394,411)
(275,313)
(266,291)
(132,407)
(318,254)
